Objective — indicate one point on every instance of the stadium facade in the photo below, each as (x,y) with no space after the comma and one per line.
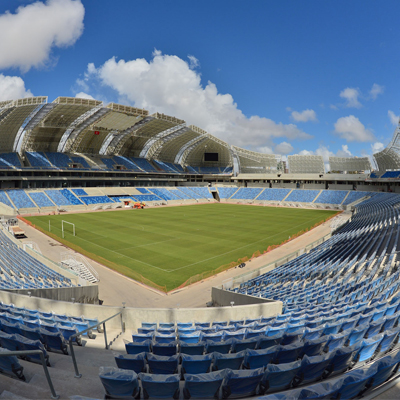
(73,142)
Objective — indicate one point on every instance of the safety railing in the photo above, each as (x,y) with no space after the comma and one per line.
(73,337)
(54,395)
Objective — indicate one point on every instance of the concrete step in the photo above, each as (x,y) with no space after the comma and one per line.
(11,396)
(66,385)
(24,390)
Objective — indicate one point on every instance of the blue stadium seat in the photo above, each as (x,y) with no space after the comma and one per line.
(134,362)
(203,386)
(160,386)
(119,382)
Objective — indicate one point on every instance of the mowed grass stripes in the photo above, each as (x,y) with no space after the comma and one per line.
(169,245)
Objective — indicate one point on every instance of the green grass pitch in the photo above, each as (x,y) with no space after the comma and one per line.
(171,244)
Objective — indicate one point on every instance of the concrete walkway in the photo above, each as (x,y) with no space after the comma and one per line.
(114,288)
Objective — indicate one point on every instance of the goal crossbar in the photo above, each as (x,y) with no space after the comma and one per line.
(62,227)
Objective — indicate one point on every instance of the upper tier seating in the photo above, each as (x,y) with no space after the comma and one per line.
(246,194)
(108,162)
(20,199)
(166,167)
(59,160)
(209,170)
(38,159)
(376,174)
(303,196)
(390,174)
(9,160)
(331,197)
(143,164)
(80,160)
(127,163)
(273,194)
(227,170)
(191,170)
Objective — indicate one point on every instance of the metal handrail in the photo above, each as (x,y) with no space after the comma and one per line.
(73,337)
(54,395)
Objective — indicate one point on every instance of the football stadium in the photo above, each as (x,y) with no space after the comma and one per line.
(182,266)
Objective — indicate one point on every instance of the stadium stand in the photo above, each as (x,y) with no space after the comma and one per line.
(10,160)
(127,163)
(96,199)
(108,162)
(246,194)
(391,175)
(5,199)
(41,200)
(20,199)
(203,192)
(303,196)
(273,194)
(354,196)
(71,197)
(331,197)
(338,334)
(38,159)
(59,160)
(165,194)
(80,160)
(79,192)
(143,190)
(57,198)
(143,164)
(226,192)
(146,197)
(182,193)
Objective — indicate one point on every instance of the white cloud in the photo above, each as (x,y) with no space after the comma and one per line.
(351,97)
(33,30)
(283,148)
(83,95)
(376,147)
(12,88)
(304,116)
(351,129)
(344,151)
(266,150)
(193,62)
(167,84)
(375,91)
(394,119)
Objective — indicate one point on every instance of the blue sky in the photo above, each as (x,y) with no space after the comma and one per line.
(314,77)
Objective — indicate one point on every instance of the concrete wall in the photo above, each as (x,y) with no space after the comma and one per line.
(133,317)
(223,298)
(81,294)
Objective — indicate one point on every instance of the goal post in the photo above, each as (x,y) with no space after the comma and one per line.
(62,227)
